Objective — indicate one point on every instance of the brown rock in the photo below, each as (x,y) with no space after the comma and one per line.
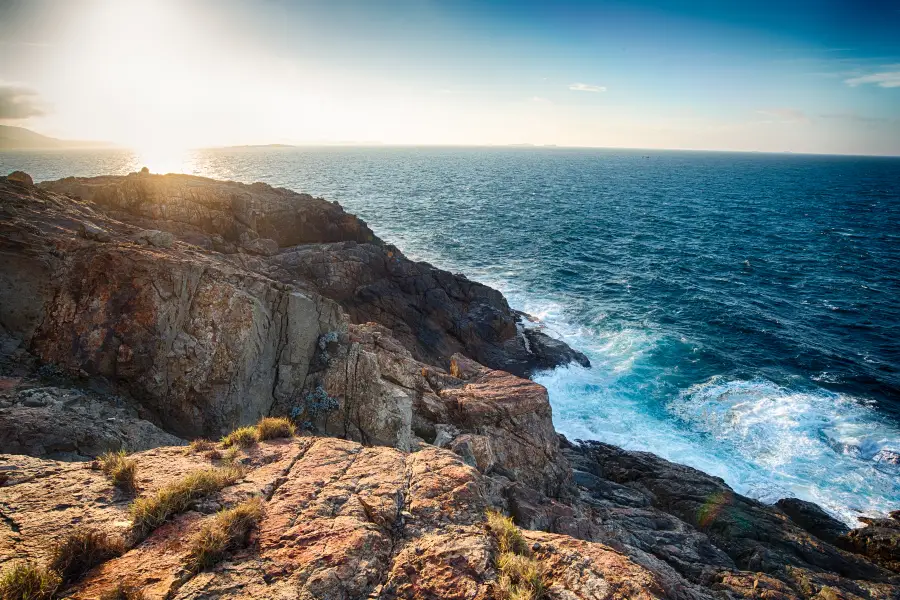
(20,178)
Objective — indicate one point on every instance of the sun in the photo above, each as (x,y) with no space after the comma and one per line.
(164,159)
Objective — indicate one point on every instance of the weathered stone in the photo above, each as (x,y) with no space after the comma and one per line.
(154,237)
(20,178)
(74,425)
(261,246)
(813,519)
(878,540)
(90,231)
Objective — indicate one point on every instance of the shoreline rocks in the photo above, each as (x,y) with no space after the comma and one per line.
(136,309)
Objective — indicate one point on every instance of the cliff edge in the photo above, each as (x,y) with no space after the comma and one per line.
(140,312)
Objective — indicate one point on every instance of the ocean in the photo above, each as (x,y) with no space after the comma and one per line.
(741,311)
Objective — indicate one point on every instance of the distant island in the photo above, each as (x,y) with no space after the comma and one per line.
(19,138)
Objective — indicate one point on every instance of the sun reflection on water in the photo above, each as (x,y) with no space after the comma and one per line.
(165,159)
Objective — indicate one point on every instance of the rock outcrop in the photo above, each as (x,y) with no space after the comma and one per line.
(204,300)
(343,520)
(501,424)
(340,521)
(137,309)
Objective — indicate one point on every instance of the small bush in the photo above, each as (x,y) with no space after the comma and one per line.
(213,454)
(123,592)
(199,445)
(243,437)
(521,577)
(150,512)
(27,581)
(270,428)
(81,551)
(231,455)
(315,404)
(120,469)
(228,530)
(509,538)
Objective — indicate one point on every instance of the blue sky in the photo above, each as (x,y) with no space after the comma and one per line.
(792,75)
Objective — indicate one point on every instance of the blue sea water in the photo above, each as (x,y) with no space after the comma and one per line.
(742,311)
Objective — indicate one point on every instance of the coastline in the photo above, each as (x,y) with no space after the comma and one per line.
(260,292)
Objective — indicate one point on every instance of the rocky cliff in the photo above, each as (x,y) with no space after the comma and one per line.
(140,312)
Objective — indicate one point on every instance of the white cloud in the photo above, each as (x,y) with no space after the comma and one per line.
(885,79)
(586,87)
(18,102)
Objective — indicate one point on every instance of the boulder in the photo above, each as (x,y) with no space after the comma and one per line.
(89,231)
(20,178)
(813,519)
(73,424)
(878,540)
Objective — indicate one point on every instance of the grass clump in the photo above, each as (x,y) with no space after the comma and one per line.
(199,445)
(242,437)
(508,536)
(120,469)
(228,530)
(522,577)
(123,592)
(150,512)
(270,428)
(81,551)
(232,455)
(28,581)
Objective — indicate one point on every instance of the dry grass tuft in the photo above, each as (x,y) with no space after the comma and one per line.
(120,469)
(231,455)
(228,530)
(27,581)
(521,577)
(199,445)
(213,454)
(123,592)
(509,538)
(270,428)
(81,551)
(150,512)
(242,437)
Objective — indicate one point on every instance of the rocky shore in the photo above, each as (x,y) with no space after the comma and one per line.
(142,312)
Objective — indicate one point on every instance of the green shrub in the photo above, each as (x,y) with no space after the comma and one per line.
(81,551)
(120,469)
(270,428)
(228,530)
(27,581)
(150,512)
(242,437)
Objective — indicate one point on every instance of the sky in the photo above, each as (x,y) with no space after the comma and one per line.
(771,75)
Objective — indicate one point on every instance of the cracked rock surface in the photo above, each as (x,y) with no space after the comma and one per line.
(137,309)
